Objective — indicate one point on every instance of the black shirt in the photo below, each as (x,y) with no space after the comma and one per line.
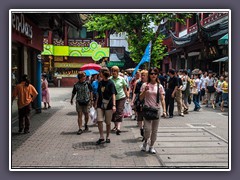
(172,83)
(105,90)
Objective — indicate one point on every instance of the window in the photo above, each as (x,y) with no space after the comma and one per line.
(83,33)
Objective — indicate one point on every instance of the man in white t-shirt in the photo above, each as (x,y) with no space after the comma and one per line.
(203,96)
(210,89)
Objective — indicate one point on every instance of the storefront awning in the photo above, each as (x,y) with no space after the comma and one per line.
(223,40)
(222,59)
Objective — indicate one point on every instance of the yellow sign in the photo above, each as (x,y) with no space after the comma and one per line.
(68,65)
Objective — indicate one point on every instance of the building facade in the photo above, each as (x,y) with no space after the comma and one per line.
(195,44)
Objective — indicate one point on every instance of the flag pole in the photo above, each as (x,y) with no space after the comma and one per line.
(149,64)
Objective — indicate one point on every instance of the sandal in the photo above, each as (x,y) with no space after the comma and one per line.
(80,131)
(114,129)
(108,141)
(118,132)
(100,141)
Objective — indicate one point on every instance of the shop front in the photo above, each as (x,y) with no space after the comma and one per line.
(26,44)
(63,63)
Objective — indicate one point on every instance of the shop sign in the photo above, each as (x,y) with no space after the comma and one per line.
(20,25)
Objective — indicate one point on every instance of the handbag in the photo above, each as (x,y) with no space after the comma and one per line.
(44,92)
(194,90)
(104,104)
(211,89)
(151,113)
(184,86)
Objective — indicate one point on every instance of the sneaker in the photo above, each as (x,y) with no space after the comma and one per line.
(181,114)
(80,131)
(144,147)
(152,150)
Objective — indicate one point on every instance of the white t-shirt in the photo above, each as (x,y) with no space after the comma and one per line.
(210,82)
(203,79)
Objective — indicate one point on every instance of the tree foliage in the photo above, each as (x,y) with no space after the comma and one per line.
(139,29)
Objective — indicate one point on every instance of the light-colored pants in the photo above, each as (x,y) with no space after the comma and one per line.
(210,96)
(104,115)
(179,101)
(150,130)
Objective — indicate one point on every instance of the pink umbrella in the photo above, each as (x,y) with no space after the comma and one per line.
(91,66)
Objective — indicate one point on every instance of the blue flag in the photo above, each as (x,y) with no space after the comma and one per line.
(146,57)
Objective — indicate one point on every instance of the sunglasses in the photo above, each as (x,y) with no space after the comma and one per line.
(153,73)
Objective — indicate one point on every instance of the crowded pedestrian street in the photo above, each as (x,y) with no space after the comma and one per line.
(197,140)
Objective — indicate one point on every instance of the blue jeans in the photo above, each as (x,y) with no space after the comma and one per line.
(196,99)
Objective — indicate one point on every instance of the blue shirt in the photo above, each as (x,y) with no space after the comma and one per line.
(95,86)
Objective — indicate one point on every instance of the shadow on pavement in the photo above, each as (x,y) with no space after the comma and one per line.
(89,145)
(36,120)
(137,153)
(130,140)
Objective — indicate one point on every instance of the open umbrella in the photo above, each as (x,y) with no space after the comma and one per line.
(91,66)
(90,72)
(195,71)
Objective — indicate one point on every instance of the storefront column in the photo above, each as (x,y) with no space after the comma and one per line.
(38,87)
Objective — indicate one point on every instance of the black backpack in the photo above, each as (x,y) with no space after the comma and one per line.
(138,103)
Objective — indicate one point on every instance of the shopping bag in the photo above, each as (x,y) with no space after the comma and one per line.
(127,112)
(93,115)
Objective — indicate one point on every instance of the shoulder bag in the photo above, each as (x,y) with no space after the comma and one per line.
(151,113)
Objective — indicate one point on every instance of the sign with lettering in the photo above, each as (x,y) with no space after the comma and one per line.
(20,25)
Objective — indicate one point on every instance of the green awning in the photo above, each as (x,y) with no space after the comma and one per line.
(223,40)
(115,63)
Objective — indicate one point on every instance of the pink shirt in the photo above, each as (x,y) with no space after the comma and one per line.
(151,95)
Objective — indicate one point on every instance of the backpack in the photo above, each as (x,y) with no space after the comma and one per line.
(83,93)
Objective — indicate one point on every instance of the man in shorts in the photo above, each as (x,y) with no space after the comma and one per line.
(84,100)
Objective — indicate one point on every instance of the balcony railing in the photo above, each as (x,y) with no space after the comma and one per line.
(208,20)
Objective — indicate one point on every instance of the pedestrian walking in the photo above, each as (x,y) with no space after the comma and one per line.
(26,94)
(210,81)
(218,87)
(121,97)
(151,92)
(178,97)
(106,104)
(203,94)
(172,86)
(137,103)
(45,92)
(224,93)
(196,92)
(185,91)
(84,100)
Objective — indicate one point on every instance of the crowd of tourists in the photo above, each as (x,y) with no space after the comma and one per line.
(149,94)
(152,96)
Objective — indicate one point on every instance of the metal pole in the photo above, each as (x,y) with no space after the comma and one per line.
(39,89)
(149,64)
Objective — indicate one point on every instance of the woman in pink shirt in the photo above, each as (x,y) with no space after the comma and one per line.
(149,94)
